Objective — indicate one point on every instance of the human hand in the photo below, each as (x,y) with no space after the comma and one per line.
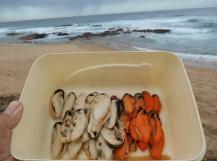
(8,120)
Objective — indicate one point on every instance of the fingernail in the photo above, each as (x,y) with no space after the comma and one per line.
(12,107)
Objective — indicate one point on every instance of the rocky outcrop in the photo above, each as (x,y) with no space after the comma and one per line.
(97,25)
(33,36)
(64,25)
(89,35)
(62,34)
(116,31)
(13,34)
(157,31)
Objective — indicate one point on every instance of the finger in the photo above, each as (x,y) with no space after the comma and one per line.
(16,116)
(12,107)
(15,111)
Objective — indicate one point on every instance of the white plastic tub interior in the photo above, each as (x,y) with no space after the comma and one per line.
(113,73)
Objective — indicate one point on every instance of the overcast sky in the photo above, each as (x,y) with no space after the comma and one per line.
(11,10)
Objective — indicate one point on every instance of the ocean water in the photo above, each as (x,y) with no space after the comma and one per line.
(193,31)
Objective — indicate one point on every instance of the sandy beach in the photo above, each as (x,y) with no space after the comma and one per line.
(16,60)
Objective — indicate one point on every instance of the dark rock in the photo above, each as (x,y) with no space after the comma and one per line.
(109,33)
(86,35)
(89,35)
(13,34)
(97,25)
(64,25)
(62,34)
(161,31)
(142,36)
(33,36)
(112,28)
(157,31)
(193,20)
(116,31)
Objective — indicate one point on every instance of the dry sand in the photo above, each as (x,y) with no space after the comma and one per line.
(204,84)
(16,60)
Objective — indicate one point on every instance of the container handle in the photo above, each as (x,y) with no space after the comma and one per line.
(117,66)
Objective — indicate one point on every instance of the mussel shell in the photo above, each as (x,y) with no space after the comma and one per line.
(90,97)
(61,91)
(138,96)
(154,114)
(120,109)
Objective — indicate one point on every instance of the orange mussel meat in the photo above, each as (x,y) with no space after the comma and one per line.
(142,126)
(129,103)
(122,152)
(157,136)
(157,148)
(142,145)
(156,103)
(148,101)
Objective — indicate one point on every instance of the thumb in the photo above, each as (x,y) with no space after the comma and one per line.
(15,111)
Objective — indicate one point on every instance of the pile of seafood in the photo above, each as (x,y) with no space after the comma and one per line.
(105,127)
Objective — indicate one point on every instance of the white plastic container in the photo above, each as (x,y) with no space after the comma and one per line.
(114,73)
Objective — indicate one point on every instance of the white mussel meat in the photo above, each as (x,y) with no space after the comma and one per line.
(74,148)
(57,146)
(99,114)
(90,98)
(80,102)
(94,127)
(90,149)
(104,151)
(85,136)
(114,137)
(66,131)
(78,124)
(68,102)
(113,108)
(57,103)
(101,107)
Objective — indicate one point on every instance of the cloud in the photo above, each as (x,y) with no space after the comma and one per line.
(11,10)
